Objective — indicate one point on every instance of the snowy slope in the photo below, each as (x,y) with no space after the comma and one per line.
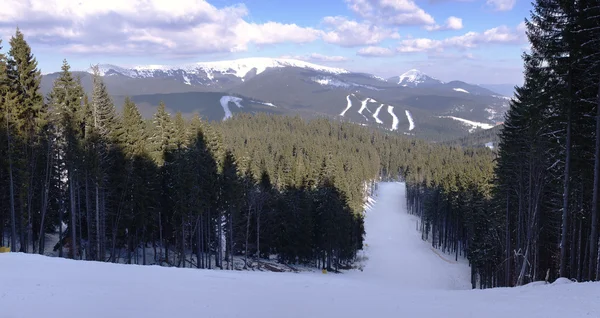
(395,120)
(411,122)
(376,114)
(413,78)
(238,68)
(348,105)
(225,100)
(402,277)
(472,124)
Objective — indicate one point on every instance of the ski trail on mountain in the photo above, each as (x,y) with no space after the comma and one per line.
(348,106)
(411,122)
(377,114)
(395,120)
(396,253)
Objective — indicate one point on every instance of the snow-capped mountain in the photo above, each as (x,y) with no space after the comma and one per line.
(214,73)
(414,78)
(412,103)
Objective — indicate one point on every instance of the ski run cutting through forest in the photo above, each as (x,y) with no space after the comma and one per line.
(402,277)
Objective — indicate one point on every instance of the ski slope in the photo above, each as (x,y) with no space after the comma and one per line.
(402,277)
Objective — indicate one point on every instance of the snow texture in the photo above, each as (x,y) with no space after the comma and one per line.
(395,120)
(490,145)
(348,106)
(411,122)
(239,68)
(376,114)
(412,76)
(363,106)
(402,277)
(473,124)
(461,90)
(225,100)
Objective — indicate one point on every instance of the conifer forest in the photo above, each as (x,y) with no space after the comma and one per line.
(112,185)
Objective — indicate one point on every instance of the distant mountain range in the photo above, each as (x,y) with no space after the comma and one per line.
(411,103)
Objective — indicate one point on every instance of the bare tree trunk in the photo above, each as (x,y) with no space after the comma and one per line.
(79,217)
(72,252)
(230,240)
(45,194)
(99,256)
(565,208)
(508,248)
(160,237)
(247,236)
(88,218)
(13,227)
(220,241)
(258,213)
(594,234)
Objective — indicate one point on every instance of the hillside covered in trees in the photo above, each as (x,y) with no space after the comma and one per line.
(108,183)
(252,185)
(540,218)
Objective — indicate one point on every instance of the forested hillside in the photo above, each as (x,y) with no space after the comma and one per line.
(109,184)
(537,219)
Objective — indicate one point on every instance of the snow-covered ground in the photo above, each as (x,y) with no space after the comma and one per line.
(411,122)
(377,114)
(348,106)
(395,120)
(225,100)
(472,124)
(402,277)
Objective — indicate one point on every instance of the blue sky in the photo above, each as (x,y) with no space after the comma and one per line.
(478,41)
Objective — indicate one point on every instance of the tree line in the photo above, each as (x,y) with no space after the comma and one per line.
(533,215)
(112,186)
(187,192)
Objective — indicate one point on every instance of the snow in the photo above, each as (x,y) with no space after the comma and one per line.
(395,120)
(225,100)
(402,277)
(411,122)
(461,90)
(492,113)
(186,80)
(363,106)
(412,76)
(328,81)
(474,125)
(502,97)
(490,145)
(238,68)
(376,114)
(348,106)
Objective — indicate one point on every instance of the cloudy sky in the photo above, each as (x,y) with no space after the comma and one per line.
(478,41)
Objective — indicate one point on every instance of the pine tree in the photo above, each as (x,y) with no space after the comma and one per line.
(65,101)
(27,115)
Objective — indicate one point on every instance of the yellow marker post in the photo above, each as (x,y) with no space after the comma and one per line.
(324,271)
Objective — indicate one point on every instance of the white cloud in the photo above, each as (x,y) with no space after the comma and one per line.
(452,23)
(316,57)
(375,51)
(498,35)
(394,12)
(501,5)
(419,45)
(175,27)
(350,33)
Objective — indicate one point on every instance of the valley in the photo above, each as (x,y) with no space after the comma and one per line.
(412,103)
